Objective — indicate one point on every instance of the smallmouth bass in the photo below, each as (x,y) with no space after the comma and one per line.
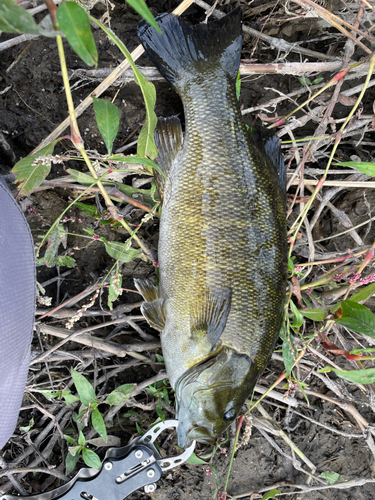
(222,246)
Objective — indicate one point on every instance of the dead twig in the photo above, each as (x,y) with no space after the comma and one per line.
(109,347)
(276,43)
(353,483)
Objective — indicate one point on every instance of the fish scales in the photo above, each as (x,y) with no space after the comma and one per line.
(222,245)
(223,202)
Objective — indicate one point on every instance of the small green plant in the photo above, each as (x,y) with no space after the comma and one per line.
(307,81)
(78,447)
(159,391)
(88,410)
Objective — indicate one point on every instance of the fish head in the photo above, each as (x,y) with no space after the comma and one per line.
(210,396)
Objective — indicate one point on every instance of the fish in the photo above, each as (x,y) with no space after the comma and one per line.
(222,250)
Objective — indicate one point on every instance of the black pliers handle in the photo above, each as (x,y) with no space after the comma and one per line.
(123,471)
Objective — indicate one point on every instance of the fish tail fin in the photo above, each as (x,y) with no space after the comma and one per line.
(182,53)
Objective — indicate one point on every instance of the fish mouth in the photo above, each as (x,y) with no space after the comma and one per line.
(197,433)
(202,435)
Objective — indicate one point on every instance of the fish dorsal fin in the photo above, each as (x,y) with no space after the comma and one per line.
(168,139)
(209,315)
(155,313)
(147,289)
(269,146)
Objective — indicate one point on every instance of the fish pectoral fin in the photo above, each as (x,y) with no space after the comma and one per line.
(209,314)
(168,139)
(155,313)
(147,289)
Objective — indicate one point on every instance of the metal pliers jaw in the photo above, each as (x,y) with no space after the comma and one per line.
(123,471)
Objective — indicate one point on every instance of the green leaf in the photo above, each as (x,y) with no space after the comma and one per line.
(55,238)
(215,474)
(166,395)
(75,24)
(314,314)
(107,117)
(110,441)
(115,289)
(71,462)
(357,376)
(119,252)
(270,494)
(65,260)
(317,80)
(15,19)
(81,439)
(119,395)
(363,166)
(98,423)
(137,160)
(288,349)
(146,144)
(81,177)
(331,477)
(69,438)
(91,459)
(159,411)
(130,190)
(305,81)
(88,209)
(139,430)
(357,317)
(290,266)
(363,294)
(142,9)
(298,318)
(238,85)
(28,427)
(84,388)
(31,171)
(74,450)
(361,351)
(69,399)
(51,395)
(194,460)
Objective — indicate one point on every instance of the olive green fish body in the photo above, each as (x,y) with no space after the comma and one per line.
(222,246)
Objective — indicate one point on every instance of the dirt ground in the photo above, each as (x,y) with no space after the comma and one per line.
(32,104)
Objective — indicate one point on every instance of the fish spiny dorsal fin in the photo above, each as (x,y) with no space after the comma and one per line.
(209,315)
(147,289)
(183,53)
(155,313)
(269,146)
(168,140)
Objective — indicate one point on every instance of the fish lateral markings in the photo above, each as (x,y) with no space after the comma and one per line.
(222,245)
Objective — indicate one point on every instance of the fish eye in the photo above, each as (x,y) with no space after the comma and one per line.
(229,415)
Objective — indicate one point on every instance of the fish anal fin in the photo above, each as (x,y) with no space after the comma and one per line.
(168,139)
(209,315)
(155,313)
(147,289)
